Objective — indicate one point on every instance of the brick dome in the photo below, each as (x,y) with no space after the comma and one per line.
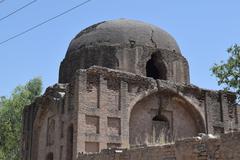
(118,44)
(124,32)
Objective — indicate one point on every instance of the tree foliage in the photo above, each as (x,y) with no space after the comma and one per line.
(11,118)
(228,73)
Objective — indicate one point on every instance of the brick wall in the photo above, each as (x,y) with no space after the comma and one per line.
(227,147)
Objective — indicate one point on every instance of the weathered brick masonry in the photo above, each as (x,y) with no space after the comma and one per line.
(227,147)
(125,84)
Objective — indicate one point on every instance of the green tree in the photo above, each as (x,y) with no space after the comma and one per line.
(11,118)
(228,73)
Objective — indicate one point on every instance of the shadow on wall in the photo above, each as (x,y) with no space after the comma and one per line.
(49,156)
(70,142)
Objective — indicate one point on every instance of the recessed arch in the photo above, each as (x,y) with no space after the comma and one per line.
(37,127)
(183,115)
(44,112)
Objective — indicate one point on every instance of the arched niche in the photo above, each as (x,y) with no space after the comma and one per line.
(178,119)
(156,67)
(46,137)
(160,129)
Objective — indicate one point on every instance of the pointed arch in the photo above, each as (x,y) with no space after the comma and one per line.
(156,67)
(184,113)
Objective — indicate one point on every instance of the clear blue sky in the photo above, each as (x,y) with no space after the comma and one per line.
(203,29)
